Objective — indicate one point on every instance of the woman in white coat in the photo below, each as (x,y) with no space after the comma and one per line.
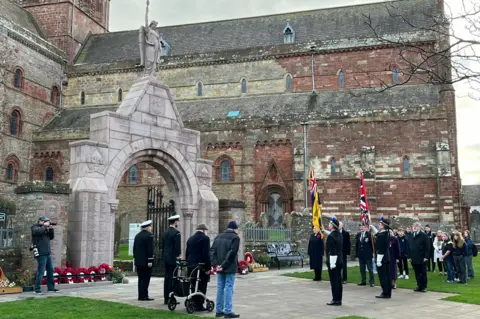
(437,251)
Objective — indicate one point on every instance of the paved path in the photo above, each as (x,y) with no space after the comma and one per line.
(261,295)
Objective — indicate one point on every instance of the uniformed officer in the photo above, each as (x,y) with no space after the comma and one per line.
(198,252)
(171,250)
(382,249)
(334,247)
(143,257)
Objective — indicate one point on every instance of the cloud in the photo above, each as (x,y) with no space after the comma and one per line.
(130,14)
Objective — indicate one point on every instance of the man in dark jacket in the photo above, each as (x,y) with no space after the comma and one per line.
(346,251)
(224,256)
(42,234)
(198,252)
(143,257)
(382,249)
(419,254)
(364,253)
(171,250)
(334,260)
(409,235)
(316,250)
(431,237)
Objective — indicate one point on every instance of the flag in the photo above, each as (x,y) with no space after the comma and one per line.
(316,203)
(364,202)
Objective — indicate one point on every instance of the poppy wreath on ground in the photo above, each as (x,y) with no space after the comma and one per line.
(69,274)
(57,272)
(213,271)
(82,275)
(242,267)
(249,258)
(103,270)
(92,272)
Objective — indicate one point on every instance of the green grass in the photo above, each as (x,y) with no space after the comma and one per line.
(123,254)
(466,293)
(70,307)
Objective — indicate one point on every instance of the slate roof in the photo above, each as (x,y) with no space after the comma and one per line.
(19,16)
(315,25)
(280,107)
(471,195)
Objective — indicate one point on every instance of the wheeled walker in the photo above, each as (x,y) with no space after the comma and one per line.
(185,286)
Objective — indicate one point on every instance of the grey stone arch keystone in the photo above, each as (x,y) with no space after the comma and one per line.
(146,128)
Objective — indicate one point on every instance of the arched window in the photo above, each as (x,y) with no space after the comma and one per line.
(406,166)
(275,210)
(288,82)
(244,86)
(120,95)
(225,171)
(18,79)
(10,172)
(288,34)
(82,98)
(133,175)
(199,89)
(395,75)
(341,79)
(55,95)
(15,123)
(333,167)
(49,174)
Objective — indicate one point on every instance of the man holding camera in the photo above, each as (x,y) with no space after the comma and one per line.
(42,234)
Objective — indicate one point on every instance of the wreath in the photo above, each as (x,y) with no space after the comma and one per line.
(103,269)
(82,275)
(57,272)
(249,258)
(93,272)
(70,275)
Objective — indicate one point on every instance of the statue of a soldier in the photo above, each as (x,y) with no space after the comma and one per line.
(150,48)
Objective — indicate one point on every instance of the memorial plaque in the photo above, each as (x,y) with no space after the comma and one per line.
(56,246)
(134,230)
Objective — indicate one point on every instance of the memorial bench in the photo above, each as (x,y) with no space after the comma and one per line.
(279,252)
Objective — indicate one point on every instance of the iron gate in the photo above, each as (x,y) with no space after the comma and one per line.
(158,212)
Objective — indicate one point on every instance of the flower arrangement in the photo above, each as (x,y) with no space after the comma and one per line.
(116,274)
(22,277)
(57,272)
(69,274)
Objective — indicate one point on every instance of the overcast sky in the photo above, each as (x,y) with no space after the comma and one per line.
(130,14)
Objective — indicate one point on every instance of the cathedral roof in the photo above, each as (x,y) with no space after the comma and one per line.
(330,24)
(281,108)
(19,16)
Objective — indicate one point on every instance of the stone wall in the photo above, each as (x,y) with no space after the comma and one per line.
(33,200)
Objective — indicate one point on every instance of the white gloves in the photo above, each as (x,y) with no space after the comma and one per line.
(333,262)
(379,260)
(326,232)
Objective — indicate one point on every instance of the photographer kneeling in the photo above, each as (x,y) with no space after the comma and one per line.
(42,234)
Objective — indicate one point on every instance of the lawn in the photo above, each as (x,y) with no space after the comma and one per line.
(466,293)
(70,307)
(123,254)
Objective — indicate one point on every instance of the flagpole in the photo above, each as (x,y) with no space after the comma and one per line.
(305,166)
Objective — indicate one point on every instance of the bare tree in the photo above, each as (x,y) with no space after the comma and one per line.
(444,53)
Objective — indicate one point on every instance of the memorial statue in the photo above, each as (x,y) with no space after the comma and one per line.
(150,48)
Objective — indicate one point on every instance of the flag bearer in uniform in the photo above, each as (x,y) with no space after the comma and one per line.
(143,257)
(171,249)
(334,260)
(382,246)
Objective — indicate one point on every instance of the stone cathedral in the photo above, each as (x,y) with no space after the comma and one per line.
(251,86)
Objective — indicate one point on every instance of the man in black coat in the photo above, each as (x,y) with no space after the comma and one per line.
(382,249)
(419,254)
(346,251)
(42,234)
(171,251)
(431,236)
(364,253)
(316,250)
(143,257)
(198,252)
(334,260)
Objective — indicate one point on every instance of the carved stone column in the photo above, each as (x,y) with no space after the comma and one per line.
(187,228)
(116,230)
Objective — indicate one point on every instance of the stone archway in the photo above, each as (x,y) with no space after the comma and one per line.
(146,128)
